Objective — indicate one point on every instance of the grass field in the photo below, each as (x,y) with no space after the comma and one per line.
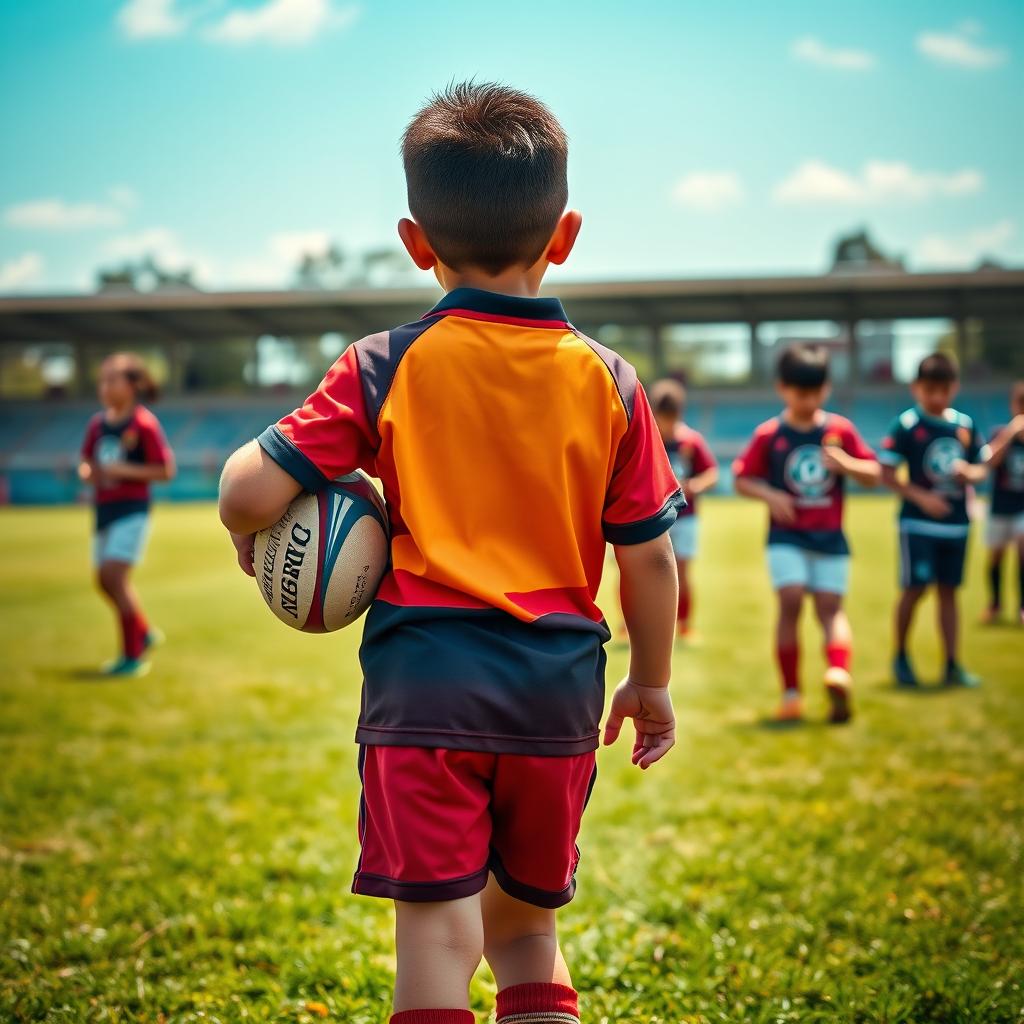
(180,848)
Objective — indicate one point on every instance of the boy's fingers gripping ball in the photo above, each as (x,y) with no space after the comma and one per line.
(319,566)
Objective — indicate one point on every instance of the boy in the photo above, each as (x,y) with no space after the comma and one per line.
(944,456)
(1006,514)
(796,464)
(696,470)
(510,449)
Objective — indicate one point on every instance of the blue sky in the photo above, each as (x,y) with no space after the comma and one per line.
(706,139)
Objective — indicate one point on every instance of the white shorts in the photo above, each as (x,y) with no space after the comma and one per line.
(123,540)
(1003,530)
(683,534)
(792,566)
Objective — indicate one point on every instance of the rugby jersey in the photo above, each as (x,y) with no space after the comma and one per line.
(510,448)
(688,455)
(139,439)
(791,460)
(1008,480)
(930,445)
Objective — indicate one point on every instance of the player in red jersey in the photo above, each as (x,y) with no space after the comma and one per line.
(796,463)
(697,472)
(124,451)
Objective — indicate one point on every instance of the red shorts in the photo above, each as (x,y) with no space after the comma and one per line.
(433,823)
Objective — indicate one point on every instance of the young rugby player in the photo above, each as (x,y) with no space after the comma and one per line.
(510,448)
(1006,513)
(945,456)
(124,451)
(697,472)
(797,464)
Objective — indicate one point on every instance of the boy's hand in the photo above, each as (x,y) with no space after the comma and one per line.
(650,707)
(244,549)
(961,471)
(1017,425)
(932,504)
(781,506)
(834,459)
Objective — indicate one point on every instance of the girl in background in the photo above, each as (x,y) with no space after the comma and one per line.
(124,451)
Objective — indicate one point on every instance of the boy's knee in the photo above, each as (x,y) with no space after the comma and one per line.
(791,600)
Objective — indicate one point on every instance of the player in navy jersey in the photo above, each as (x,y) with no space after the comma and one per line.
(797,463)
(123,452)
(945,456)
(697,472)
(1006,513)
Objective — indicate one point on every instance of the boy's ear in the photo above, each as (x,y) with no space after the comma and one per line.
(564,237)
(415,241)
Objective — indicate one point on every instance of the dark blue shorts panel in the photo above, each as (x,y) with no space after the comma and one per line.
(925,560)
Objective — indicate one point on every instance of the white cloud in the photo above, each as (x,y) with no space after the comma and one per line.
(814,51)
(959,48)
(20,271)
(284,22)
(276,265)
(964,250)
(708,190)
(880,181)
(151,19)
(161,244)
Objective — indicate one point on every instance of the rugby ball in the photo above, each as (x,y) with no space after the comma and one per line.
(318,567)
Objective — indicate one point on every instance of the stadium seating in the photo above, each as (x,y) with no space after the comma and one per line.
(39,440)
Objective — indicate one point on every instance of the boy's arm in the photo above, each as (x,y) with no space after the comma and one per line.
(1001,442)
(780,503)
(254,490)
(929,502)
(150,472)
(701,482)
(649,592)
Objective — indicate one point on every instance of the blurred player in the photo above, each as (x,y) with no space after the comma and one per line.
(796,464)
(1006,513)
(124,451)
(944,456)
(695,469)
(511,449)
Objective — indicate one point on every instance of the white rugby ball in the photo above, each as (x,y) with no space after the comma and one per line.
(318,567)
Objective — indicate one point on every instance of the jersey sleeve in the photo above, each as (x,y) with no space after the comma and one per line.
(894,445)
(703,457)
(643,498)
(328,436)
(89,440)
(155,448)
(855,445)
(753,460)
(977,447)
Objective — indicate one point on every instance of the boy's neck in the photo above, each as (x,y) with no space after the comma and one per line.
(523,281)
(803,422)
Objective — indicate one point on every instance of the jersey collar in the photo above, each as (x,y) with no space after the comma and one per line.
(546,311)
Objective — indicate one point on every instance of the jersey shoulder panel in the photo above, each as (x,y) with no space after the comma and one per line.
(621,371)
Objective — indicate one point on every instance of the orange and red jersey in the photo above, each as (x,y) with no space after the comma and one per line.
(510,448)
(139,439)
(689,456)
(791,460)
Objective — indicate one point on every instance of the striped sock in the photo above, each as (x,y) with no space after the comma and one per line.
(434,1017)
(538,1003)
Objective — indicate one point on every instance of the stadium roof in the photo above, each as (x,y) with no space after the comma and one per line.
(196,315)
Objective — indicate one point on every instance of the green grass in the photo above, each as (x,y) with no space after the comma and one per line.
(180,848)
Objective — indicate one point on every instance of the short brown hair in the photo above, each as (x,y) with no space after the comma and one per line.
(137,373)
(668,397)
(485,167)
(938,368)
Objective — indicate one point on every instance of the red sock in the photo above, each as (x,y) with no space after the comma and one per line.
(434,1017)
(133,633)
(789,662)
(539,1001)
(683,613)
(838,656)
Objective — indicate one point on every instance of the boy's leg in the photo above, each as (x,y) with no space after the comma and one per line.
(838,644)
(438,947)
(521,941)
(1020,577)
(115,582)
(905,608)
(949,576)
(787,649)
(685,597)
(948,621)
(995,582)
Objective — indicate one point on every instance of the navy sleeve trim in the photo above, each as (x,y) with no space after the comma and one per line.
(646,529)
(291,460)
